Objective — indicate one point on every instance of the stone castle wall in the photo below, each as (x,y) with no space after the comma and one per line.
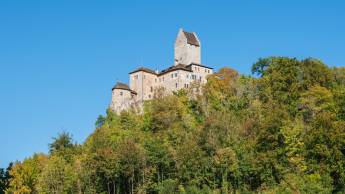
(121,100)
(144,82)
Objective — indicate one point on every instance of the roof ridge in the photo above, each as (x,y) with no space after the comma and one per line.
(142,68)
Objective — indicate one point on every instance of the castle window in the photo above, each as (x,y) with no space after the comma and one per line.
(205,70)
(149,95)
(151,89)
(144,76)
(187,76)
(136,77)
(208,71)
(156,80)
(200,78)
(172,75)
(175,74)
(176,85)
(121,93)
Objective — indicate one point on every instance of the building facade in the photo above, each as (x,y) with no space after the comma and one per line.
(144,82)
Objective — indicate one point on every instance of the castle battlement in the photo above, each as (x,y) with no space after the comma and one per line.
(143,81)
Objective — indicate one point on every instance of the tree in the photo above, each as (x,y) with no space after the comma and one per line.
(57,177)
(24,175)
(62,142)
(100,121)
(5,178)
(284,79)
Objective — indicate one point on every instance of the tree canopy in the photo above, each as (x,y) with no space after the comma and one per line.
(280,131)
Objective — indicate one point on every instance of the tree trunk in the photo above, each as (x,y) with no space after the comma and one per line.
(108,187)
(132,183)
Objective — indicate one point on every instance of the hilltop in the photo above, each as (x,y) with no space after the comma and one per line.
(280,131)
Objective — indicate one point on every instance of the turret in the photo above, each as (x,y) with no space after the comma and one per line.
(122,97)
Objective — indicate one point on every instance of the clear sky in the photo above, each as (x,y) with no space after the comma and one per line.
(60,58)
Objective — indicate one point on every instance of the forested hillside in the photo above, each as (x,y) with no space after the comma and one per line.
(281,130)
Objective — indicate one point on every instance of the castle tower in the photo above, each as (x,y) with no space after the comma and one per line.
(142,81)
(187,48)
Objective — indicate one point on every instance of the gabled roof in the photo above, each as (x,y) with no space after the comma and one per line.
(191,38)
(174,68)
(189,66)
(147,70)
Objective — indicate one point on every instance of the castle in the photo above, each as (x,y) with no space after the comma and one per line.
(143,82)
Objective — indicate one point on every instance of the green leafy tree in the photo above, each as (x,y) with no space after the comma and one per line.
(24,175)
(62,142)
(58,176)
(5,178)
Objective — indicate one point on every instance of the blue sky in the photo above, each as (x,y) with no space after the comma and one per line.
(60,59)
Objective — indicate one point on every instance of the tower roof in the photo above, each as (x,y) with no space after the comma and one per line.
(121,86)
(144,69)
(191,38)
